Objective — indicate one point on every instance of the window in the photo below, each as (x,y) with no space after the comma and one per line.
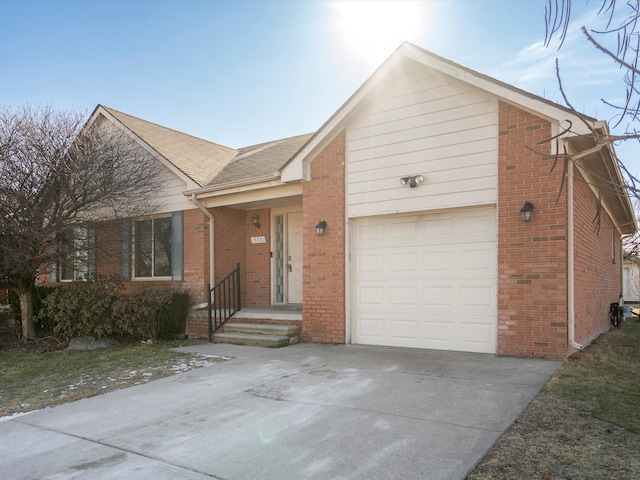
(75,258)
(152,248)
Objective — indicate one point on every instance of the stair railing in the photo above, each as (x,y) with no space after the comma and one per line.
(223,301)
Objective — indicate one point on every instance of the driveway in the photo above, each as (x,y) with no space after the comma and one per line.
(302,412)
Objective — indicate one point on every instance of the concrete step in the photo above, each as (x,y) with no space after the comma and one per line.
(261,329)
(258,334)
(259,340)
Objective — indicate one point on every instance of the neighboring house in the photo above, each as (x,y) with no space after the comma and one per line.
(420,177)
(631,279)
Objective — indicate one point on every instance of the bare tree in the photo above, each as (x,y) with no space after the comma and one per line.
(619,40)
(58,174)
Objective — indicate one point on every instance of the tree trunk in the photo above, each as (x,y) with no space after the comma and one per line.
(26,313)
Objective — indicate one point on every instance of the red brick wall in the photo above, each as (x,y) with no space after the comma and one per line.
(597,272)
(256,272)
(196,254)
(323,284)
(229,245)
(532,257)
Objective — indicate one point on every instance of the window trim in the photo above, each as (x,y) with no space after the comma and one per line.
(81,248)
(152,278)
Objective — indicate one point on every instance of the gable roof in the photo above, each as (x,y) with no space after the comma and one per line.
(200,160)
(260,162)
(297,168)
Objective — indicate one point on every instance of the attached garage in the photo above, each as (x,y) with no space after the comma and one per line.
(426,280)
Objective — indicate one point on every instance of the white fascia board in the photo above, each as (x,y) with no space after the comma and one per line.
(233,187)
(238,196)
(191,184)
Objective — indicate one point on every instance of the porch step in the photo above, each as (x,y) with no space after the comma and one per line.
(255,334)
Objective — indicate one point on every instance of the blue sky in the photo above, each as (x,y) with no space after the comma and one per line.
(243,72)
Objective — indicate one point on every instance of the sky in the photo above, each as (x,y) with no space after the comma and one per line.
(244,72)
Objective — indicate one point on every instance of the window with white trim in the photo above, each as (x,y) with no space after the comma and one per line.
(152,251)
(74,255)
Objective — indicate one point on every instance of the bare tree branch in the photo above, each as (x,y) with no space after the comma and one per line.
(56,175)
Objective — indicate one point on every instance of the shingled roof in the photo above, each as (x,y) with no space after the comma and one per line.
(260,161)
(199,159)
(208,163)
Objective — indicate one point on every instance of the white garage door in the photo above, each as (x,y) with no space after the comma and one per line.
(426,281)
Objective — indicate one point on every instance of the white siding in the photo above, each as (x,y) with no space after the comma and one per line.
(171,198)
(428,124)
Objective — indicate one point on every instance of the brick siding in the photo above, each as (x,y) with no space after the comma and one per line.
(323,284)
(597,267)
(532,257)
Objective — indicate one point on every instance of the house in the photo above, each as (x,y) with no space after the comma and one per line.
(419,180)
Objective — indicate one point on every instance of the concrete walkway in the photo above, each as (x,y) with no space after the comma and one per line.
(301,412)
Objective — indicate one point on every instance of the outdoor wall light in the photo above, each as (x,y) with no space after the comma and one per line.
(526,212)
(411,180)
(320,228)
(256,220)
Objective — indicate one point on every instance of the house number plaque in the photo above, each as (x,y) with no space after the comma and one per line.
(258,239)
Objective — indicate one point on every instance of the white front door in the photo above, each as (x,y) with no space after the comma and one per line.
(287,258)
(294,258)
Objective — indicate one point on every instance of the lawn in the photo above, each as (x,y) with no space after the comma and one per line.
(34,380)
(584,424)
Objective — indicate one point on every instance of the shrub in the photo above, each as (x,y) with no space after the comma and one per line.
(82,308)
(151,312)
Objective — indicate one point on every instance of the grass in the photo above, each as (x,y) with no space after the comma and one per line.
(31,381)
(585,423)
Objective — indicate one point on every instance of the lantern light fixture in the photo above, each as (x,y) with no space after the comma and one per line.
(526,212)
(320,228)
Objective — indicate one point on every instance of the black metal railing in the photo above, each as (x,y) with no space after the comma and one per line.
(223,301)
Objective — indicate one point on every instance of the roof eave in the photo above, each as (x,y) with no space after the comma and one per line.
(604,172)
(245,184)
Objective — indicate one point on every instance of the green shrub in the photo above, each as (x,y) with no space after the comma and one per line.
(151,312)
(82,308)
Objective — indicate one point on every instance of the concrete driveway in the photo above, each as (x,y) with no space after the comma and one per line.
(301,412)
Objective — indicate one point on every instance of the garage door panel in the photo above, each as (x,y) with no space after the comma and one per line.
(477,260)
(370,295)
(429,281)
(403,262)
(439,296)
(407,295)
(404,329)
(478,297)
(371,328)
(437,262)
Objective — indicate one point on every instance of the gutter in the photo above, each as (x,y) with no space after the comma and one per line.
(212,222)
(234,184)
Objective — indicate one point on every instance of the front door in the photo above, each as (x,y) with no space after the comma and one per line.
(287,258)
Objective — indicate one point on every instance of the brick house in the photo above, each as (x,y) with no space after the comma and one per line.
(420,178)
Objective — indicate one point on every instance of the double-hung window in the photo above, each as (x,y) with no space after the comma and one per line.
(76,255)
(152,248)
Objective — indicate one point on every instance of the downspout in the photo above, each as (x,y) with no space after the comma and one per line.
(212,223)
(570,264)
